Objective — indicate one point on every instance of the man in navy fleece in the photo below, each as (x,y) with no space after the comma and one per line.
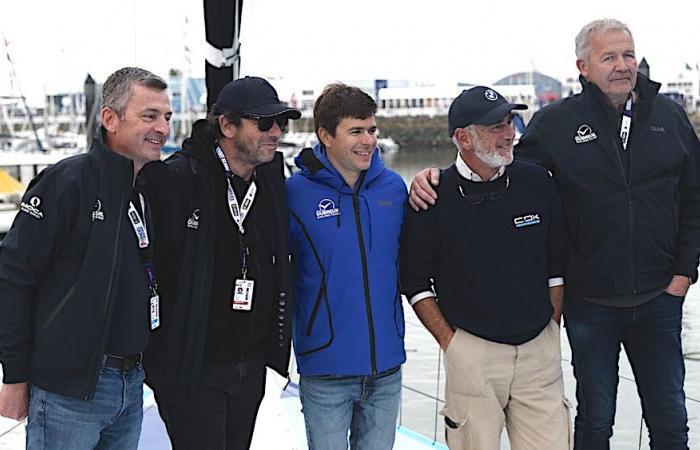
(493,250)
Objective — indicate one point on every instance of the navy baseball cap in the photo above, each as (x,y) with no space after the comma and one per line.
(252,96)
(479,105)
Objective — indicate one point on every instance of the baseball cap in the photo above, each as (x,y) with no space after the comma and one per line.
(252,96)
(479,105)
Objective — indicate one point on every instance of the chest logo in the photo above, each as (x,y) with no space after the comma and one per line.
(193,220)
(32,208)
(97,213)
(526,220)
(585,134)
(326,208)
(658,129)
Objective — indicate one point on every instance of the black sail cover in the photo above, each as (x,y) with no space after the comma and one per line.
(222,23)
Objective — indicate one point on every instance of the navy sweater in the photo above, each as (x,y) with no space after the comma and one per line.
(488,256)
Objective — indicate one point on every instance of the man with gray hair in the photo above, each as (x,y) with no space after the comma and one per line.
(626,161)
(79,293)
(494,221)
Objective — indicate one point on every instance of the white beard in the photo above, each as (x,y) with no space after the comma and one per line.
(493,159)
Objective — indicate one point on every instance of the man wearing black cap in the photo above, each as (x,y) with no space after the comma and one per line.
(493,251)
(223,271)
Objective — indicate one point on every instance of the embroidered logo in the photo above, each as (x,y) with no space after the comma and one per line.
(585,134)
(97,213)
(658,129)
(385,203)
(526,220)
(326,208)
(490,94)
(32,208)
(193,220)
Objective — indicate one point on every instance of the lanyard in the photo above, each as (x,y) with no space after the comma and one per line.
(626,123)
(139,225)
(146,254)
(238,213)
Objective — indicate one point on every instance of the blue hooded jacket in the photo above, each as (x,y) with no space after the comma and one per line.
(348,317)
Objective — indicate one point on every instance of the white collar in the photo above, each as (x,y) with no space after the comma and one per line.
(464,170)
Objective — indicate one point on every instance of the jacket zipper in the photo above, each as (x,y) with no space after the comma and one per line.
(628,184)
(103,343)
(365,276)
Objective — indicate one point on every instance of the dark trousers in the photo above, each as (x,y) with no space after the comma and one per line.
(651,334)
(223,417)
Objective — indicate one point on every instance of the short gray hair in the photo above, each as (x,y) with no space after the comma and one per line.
(117,90)
(469,129)
(583,38)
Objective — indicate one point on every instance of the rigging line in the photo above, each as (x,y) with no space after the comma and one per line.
(9,430)
(437,393)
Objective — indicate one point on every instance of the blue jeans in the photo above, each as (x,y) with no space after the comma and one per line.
(651,334)
(110,420)
(367,406)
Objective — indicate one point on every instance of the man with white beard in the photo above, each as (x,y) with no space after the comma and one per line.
(493,250)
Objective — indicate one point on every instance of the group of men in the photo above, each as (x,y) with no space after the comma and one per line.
(121,268)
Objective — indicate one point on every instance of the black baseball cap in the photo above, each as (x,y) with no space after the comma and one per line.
(252,96)
(479,105)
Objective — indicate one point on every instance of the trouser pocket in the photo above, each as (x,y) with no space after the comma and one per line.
(456,428)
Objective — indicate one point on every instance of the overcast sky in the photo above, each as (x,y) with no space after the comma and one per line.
(54,44)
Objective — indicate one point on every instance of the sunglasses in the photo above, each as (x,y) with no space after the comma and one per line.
(265,123)
(475,199)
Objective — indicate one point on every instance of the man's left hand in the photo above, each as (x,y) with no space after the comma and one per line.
(679,285)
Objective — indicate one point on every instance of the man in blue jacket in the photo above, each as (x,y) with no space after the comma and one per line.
(346,211)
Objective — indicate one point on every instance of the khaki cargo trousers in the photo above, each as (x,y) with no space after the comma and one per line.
(492,385)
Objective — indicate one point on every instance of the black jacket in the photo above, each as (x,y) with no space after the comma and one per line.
(59,270)
(183,209)
(629,232)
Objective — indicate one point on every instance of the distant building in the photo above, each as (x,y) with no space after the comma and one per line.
(436,100)
(685,88)
(547,89)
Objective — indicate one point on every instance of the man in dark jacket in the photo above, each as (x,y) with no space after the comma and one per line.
(77,281)
(627,165)
(223,266)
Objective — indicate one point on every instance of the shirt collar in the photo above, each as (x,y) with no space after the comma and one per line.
(464,170)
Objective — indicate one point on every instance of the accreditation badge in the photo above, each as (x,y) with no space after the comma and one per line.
(155,311)
(243,295)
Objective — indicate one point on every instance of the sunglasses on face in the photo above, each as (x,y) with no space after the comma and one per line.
(265,123)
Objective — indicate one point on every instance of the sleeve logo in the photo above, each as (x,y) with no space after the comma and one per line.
(32,208)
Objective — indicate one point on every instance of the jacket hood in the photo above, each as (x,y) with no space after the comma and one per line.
(201,144)
(314,164)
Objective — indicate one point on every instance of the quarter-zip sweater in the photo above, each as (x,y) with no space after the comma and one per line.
(348,317)
(628,234)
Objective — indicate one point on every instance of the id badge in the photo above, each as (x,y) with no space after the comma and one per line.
(243,295)
(155,311)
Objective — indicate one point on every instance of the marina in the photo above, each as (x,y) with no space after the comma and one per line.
(414,81)
(280,423)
